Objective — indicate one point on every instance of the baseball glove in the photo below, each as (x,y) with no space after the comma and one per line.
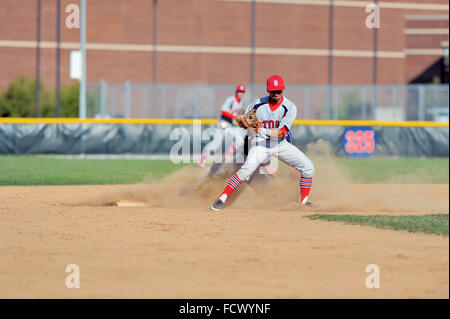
(250,120)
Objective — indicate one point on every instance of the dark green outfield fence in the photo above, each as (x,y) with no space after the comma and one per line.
(72,136)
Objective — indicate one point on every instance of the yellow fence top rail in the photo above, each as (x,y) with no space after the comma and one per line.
(43,120)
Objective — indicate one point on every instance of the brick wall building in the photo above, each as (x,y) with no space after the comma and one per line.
(210,41)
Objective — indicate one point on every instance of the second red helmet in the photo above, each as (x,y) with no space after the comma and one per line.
(240,88)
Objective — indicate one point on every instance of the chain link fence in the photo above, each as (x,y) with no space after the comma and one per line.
(318,102)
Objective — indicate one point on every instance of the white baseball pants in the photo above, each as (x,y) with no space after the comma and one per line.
(285,151)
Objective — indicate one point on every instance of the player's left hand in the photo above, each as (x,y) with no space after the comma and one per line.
(250,120)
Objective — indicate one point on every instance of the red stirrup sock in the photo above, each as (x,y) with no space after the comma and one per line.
(232,185)
(305,188)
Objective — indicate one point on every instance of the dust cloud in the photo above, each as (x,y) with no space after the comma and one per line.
(333,191)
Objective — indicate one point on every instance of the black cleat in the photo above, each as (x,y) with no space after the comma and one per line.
(218,205)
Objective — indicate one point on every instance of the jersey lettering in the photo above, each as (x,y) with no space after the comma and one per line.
(270,124)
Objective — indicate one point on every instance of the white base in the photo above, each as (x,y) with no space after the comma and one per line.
(130,203)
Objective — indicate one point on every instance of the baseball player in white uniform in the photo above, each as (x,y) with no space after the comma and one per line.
(276,114)
(231,112)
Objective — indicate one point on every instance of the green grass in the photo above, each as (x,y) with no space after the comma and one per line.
(50,170)
(391,170)
(431,224)
(43,170)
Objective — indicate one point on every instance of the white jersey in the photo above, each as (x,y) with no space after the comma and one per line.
(282,116)
(231,105)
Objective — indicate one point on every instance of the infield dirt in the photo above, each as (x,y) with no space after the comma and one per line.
(260,246)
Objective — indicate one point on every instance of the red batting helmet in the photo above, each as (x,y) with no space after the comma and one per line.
(240,88)
(275,83)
